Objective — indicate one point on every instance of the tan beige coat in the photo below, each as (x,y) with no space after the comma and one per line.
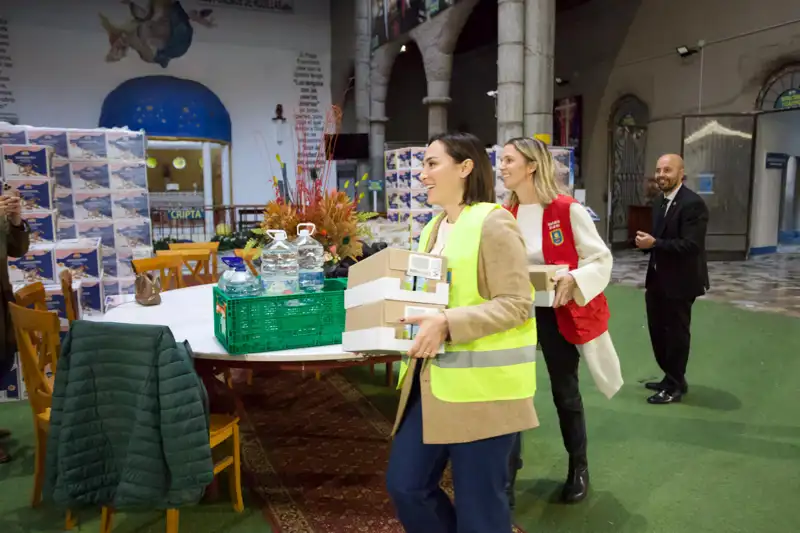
(503,281)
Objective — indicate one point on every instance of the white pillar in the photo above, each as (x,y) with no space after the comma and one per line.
(225,158)
(208,189)
(381,68)
(363,51)
(510,68)
(540,30)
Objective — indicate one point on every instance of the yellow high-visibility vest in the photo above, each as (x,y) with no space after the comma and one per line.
(497,367)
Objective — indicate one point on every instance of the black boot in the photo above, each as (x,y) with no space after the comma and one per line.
(577,485)
(514,464)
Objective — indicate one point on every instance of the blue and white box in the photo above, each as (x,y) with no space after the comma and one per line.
(132,233)
(26,161)
(62,174)
(92,297)
(65,205)
(130,204)
(42,226)
(125,176)
(36,194)
(97,228)
(94,205)
(87,145)
(81,257)
(90,176)
(66,229)
(126,145)
(10,134)
(36,265)
(54,138)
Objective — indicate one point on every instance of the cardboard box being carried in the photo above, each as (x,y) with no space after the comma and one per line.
(541,277)
(377,327)
(399,275)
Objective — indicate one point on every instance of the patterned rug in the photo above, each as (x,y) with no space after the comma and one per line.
(316,452)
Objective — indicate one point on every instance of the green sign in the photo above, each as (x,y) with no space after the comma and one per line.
(375,185)
(787,99)
(185,213)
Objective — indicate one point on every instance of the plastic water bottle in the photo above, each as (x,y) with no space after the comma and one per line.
(237,281)
(310,258)
(279,265)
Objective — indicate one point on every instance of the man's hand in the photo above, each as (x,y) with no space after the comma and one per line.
(644,241)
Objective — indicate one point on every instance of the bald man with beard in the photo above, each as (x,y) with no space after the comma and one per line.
(676,275)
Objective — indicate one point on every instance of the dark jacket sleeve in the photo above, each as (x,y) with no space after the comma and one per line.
(693,225)
(51,490)
(184,424)
(18,240)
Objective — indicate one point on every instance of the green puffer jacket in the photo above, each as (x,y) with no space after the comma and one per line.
(129,423)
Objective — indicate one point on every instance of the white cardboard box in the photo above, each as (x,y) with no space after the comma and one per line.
(389,289)
(377,341)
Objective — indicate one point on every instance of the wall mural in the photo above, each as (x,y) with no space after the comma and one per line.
(159,32)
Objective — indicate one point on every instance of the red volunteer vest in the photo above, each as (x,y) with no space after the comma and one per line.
(577,324)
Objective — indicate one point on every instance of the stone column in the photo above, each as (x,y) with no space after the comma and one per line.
(362,58)
(436,40)
(381,68)
(540,29)
(510,68)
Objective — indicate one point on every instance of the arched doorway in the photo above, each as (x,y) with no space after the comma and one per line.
(189,135)
(781,90)
(627,143)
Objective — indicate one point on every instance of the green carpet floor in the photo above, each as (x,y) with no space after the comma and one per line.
(726,460)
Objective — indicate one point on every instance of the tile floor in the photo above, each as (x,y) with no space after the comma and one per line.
(763,283)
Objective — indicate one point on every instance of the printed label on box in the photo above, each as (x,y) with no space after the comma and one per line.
(42,226)
(90,175)
(81,257)
(125,145)
(65,205)
(36,265)
(92,297)
(66,229)
(62,174)
(404,179)
(93,205)
(130,204)
(87,146)
(26,161)
(128,176)
(131,233)
(55,139)
(104,229)
(13,135)
(411,330)
(35,194)
(110,267)
(424,266)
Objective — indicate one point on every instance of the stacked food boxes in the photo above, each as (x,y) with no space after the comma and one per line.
(84,196)
(385,288)
(80,186)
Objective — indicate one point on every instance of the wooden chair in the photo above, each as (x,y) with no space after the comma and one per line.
(211,247)
(223,428)
(32,296)
(200,271)
(69,297)
(248,256)
(39,344)
(168,268)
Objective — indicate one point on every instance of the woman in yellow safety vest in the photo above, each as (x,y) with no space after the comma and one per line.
(465,404)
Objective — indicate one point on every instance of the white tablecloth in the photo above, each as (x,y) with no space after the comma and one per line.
(189,313)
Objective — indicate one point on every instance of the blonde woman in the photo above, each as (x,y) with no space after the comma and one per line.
(559,231)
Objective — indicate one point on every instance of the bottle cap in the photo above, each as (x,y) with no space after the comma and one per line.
(304,233)
(277,234)
(237,263)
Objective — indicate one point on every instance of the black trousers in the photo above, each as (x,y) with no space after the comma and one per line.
(562,360)
(669,321)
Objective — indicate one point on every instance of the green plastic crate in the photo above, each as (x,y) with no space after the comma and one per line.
(268,323)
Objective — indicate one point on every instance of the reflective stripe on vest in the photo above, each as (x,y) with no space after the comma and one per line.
(497,367)
(508,357)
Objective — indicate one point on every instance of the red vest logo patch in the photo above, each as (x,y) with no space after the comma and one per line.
(556,237)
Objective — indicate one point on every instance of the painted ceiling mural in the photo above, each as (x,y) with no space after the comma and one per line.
(157,30)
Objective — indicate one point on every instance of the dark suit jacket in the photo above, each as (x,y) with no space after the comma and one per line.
(677,264)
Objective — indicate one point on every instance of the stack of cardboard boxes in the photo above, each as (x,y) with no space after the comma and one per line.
(384,289)
(542,280)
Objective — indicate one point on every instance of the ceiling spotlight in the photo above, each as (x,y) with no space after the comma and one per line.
(493,94)
(561,81)
(685,51)
(403,48)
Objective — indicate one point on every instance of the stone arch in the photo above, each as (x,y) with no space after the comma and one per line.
(781,89)
(406,88)
(627,145)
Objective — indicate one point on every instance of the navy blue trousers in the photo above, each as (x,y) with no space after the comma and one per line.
(480,475)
